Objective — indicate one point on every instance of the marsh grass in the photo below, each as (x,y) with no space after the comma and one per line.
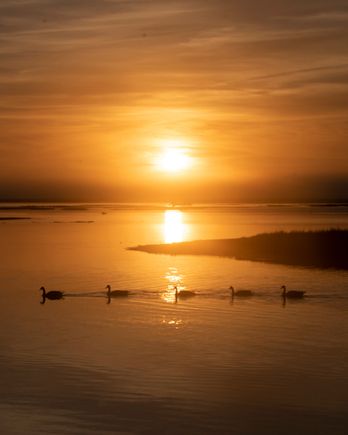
(322,249)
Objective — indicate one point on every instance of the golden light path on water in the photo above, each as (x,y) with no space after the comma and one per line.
(173,278)
(174,229)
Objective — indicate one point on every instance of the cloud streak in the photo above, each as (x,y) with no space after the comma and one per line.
(252,82)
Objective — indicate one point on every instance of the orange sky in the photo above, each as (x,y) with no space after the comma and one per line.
(253,93)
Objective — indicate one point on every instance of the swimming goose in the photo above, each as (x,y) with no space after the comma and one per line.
(240,293)
(292,294)
(115,293)
(52,294)
(183,293)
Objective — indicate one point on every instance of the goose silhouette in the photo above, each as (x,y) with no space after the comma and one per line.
(116,293)
(292,294)
(52,294)
(183,293)
(240,293)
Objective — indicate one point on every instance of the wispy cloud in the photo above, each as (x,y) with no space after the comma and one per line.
(250,79)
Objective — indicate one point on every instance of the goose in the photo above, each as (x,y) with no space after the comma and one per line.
(52,294)
(292,294)
(240,293)
(183,293)
(116,293)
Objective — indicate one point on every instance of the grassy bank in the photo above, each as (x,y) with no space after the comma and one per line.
(323,249)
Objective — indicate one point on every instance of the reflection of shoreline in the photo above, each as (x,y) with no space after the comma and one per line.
(321,249)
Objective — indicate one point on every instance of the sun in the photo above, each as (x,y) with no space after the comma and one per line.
(174,157)
(173,160)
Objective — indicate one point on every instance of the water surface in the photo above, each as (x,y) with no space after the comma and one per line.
(146,364)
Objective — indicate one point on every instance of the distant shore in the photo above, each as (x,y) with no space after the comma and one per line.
(11,218)
(321,249)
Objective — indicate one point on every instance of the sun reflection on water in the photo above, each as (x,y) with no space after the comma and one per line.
(174,323)
(173,278)
(174,228)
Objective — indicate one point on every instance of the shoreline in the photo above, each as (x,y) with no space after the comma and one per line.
(12,218)
(319,249)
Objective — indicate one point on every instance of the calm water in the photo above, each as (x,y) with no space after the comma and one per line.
(145,365)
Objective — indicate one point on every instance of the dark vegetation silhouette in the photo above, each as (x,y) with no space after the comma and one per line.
(11,218)
(321,249)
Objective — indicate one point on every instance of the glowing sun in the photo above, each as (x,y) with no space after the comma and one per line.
(173,158)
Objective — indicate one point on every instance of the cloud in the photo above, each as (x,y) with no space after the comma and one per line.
(247,78)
